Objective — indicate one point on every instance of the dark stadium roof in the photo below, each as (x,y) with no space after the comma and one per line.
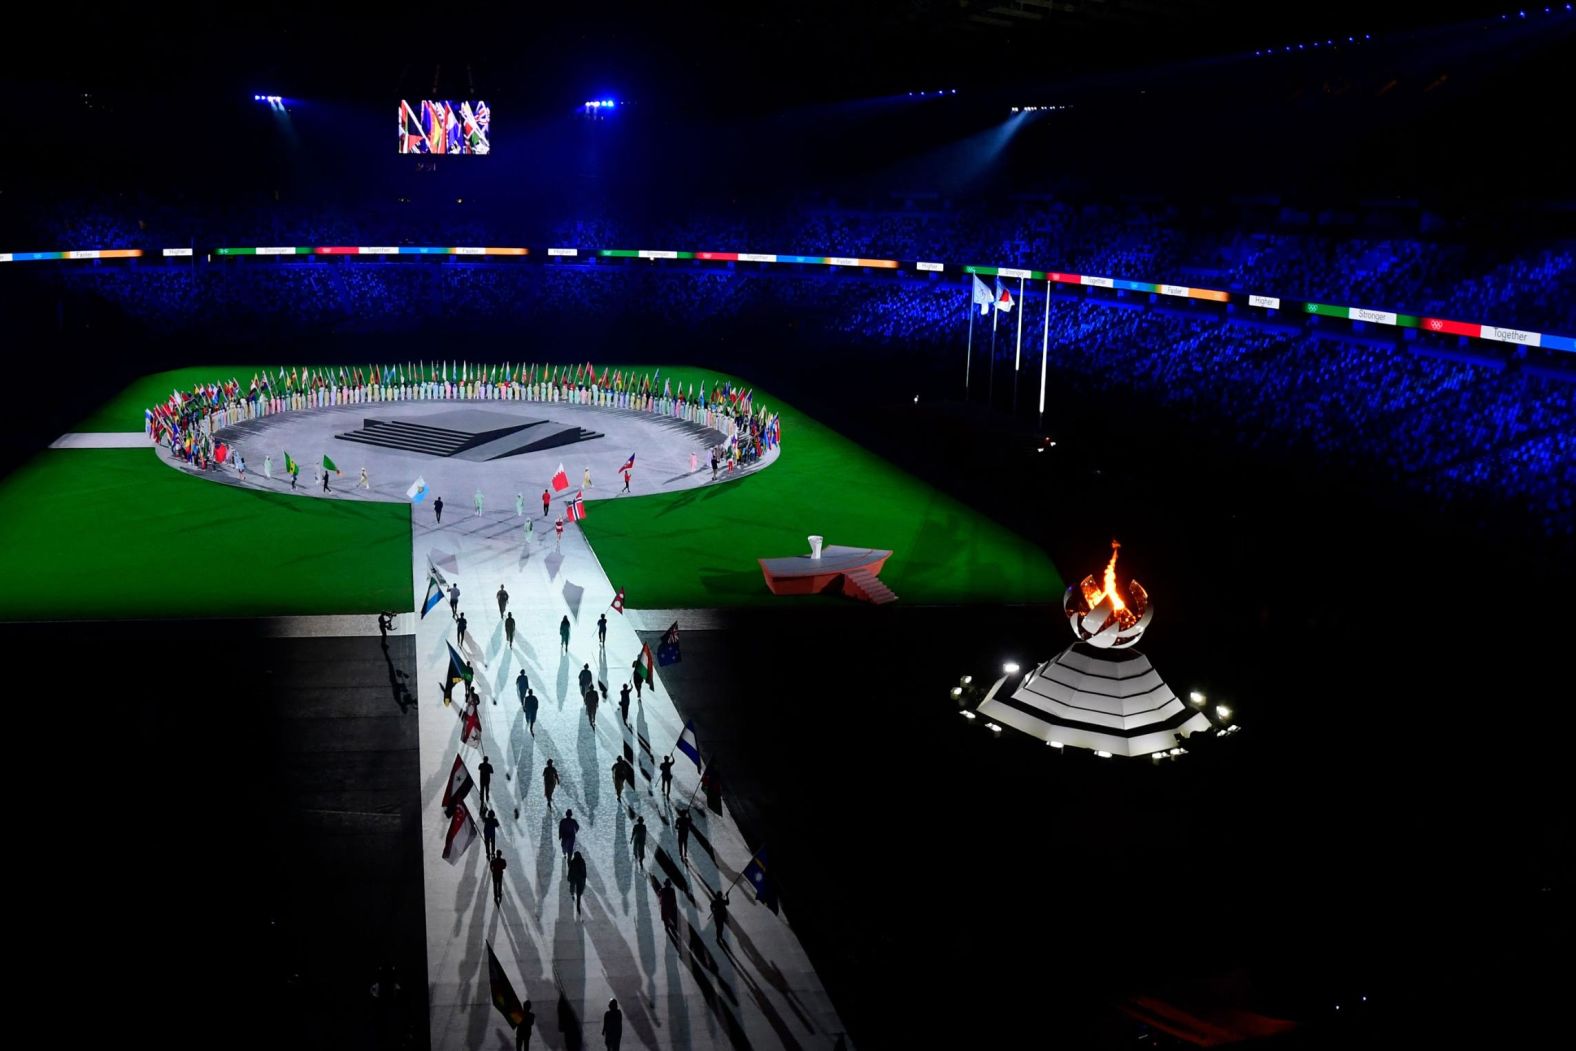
(728,56)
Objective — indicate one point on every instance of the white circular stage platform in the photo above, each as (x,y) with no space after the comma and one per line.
(458,447)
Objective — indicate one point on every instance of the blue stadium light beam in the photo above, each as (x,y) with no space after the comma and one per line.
(956,164)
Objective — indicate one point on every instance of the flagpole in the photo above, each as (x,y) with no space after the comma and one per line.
(1017,354)
(690,803)
(968,360)
(990,388)
(740,876)
(1045,343)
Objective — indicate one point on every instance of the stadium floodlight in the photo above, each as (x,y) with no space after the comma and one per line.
(1011,667)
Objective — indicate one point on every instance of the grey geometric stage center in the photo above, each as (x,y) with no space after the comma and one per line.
(468,434)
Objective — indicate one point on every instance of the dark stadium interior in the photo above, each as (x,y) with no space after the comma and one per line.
(1363,536)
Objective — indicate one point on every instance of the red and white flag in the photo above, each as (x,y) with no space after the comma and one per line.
(471,726)
(459,785)
(462,833)
(577,509)
(560,480)
(618,600)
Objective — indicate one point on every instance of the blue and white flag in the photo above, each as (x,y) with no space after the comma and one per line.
(983,297)
(755,872)
(435,590)
(417,491)
(687,744)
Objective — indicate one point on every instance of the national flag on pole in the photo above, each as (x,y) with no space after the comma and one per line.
(462,833)
(629,464)
(982,295)
(687,745)
(437,574)
(560,479)
(417,491)
(668,648)
(577,509)
(651,672)
(1003,297)
(503,996)
(459,786)
(711,784)
(329,465)
(291,467)
(471,726)
(459,671)
(755,872)
(618,600)
(220,452)
(434,592)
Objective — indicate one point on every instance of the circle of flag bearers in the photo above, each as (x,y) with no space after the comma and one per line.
(186,421)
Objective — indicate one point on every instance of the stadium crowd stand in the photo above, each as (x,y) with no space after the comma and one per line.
(1453,426)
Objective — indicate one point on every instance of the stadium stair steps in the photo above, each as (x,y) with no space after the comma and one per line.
(867,587)
(410,437)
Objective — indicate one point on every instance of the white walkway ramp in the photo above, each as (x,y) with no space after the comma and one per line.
(755,988)
(102,440)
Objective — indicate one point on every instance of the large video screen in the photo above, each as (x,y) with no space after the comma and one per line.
(444,127)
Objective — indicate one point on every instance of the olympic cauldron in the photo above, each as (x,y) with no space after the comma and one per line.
(1099,693)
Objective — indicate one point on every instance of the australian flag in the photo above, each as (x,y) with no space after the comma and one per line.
(668,648)
(755,872)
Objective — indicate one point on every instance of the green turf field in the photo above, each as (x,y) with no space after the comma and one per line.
(698,548)
(114,533)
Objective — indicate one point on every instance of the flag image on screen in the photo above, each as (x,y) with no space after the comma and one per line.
(444,126)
